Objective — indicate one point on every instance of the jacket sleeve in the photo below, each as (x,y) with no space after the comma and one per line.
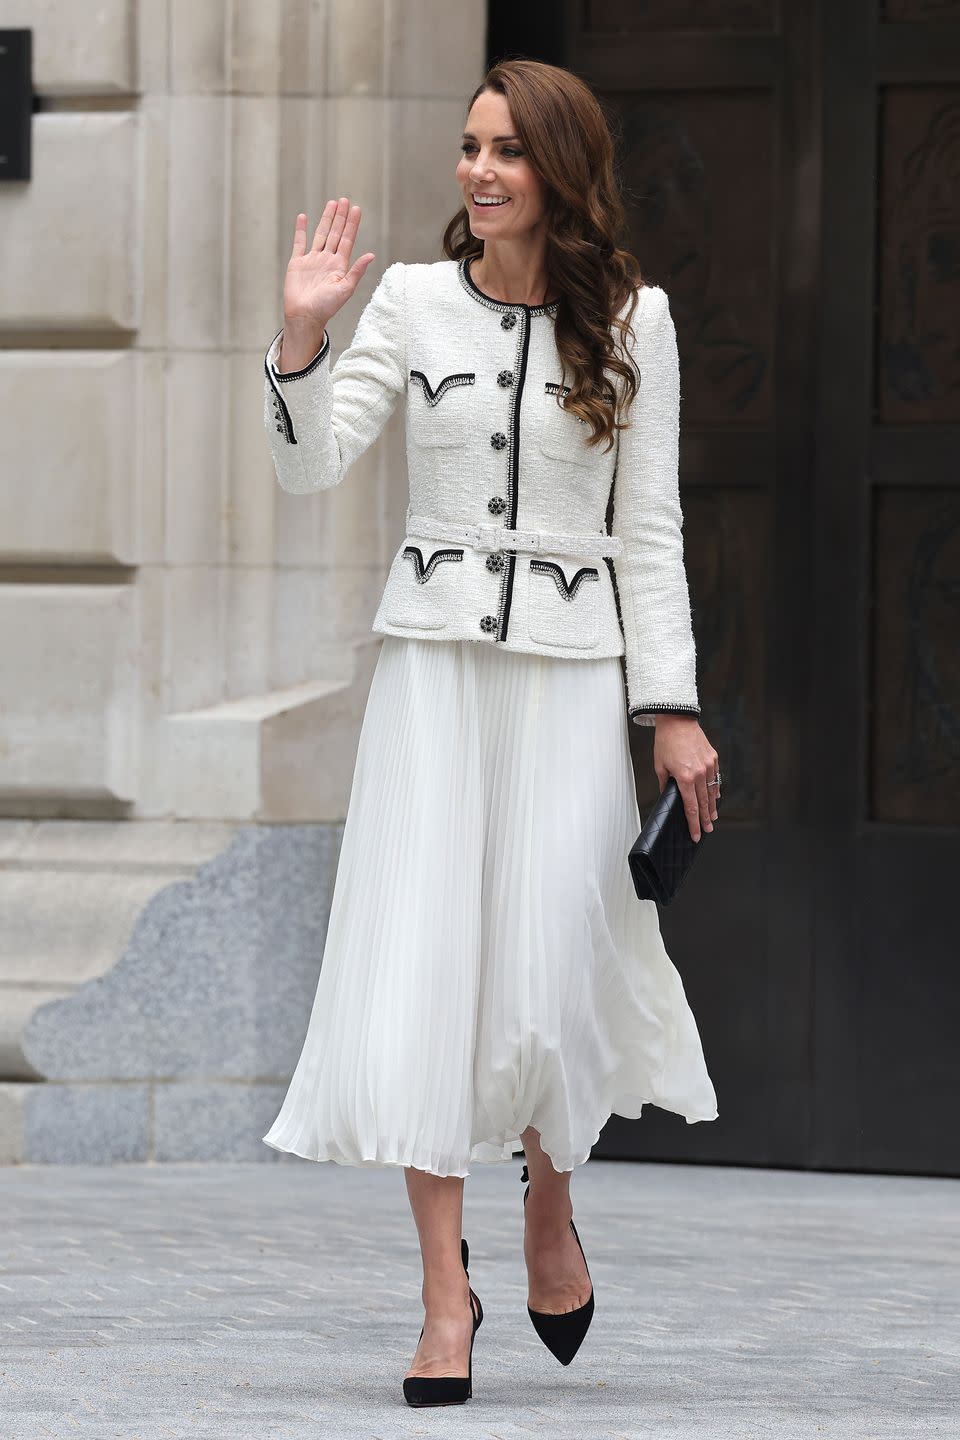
(321,419)
(651,577)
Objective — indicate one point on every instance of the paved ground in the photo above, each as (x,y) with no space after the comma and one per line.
(249,1301)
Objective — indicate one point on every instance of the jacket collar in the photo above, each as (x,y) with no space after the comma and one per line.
(474,291)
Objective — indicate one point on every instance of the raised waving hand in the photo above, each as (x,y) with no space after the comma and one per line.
(319,281)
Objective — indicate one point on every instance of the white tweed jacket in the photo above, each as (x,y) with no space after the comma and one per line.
(506,520)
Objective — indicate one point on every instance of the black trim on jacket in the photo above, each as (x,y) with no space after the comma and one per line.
(473,289)
(567,590)
(663,710)
(432,397)
(423,572)
(307,369)
(513,475)
(280,405)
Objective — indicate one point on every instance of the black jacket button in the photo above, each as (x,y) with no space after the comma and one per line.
(505,378)
(509,320)
(498,440)
(494,562)
(488,623)
(496,505)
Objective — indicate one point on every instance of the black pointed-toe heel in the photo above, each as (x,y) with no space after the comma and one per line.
(446,1389)
(562,1334)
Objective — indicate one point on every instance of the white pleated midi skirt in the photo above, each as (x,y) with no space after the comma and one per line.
(487,964)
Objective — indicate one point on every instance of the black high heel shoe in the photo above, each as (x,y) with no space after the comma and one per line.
(446,1389)
(562,1334)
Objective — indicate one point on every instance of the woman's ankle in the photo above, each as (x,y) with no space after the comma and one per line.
(446,1298)
(549,1209)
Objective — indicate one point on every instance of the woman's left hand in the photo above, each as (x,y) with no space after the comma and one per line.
(681,749)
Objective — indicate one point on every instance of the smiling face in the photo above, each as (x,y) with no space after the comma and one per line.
(503,195)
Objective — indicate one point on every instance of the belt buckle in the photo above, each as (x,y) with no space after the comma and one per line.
(489,537)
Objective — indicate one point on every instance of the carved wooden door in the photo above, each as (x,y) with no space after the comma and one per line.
(791,174)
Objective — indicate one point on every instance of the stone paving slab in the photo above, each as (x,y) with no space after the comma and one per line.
(237,1302)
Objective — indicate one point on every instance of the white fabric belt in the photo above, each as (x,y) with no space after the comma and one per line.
(498,537)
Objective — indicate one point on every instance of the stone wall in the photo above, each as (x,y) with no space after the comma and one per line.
(183,647)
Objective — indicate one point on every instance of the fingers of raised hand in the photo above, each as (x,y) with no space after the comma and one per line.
(336,230)
(323,225)
(357,270)
(299,236)
(337,224)
(348,237)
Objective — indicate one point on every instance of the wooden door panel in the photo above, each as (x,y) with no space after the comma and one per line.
(789,171)
(918,332)
(703,230)
(915,710)
(727,547)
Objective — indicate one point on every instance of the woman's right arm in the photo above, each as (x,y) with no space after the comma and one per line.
(319,419)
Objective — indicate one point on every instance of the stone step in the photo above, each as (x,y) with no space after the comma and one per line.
(102,1123)
(287,755)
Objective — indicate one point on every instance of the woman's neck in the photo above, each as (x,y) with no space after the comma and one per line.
(514,274)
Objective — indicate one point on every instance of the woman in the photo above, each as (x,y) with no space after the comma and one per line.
(490,981)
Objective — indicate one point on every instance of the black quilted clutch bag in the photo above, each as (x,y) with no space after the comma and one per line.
(664,850)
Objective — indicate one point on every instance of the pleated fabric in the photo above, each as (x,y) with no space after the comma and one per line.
(487,964)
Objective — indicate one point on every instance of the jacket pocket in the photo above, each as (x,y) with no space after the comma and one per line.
(423,590)
(561,610)
(562,436)
(440,410)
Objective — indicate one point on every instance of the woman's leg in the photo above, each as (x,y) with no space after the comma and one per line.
(437,1205)
(556,1271)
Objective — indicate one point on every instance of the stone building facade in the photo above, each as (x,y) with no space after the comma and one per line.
(185,650)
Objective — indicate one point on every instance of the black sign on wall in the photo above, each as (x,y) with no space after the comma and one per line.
(16,103)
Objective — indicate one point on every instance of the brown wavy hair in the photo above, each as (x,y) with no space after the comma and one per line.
(569,144)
